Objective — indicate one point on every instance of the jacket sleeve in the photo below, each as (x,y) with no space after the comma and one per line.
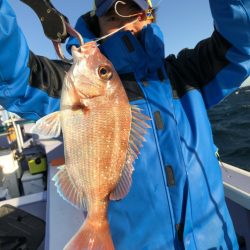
(30,85)
(218,65)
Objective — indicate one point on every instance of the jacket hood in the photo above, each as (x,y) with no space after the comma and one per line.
(141,56)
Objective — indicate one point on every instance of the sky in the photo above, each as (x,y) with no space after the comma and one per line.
(184,23)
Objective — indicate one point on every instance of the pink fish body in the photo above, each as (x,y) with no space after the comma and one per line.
(102,135)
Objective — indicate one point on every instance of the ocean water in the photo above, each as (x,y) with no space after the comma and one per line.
(230,121)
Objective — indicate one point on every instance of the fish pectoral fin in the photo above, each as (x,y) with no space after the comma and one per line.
(136,139)
(68,190)
(48,126)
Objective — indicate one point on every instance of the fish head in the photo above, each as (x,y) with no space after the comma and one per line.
(92,73)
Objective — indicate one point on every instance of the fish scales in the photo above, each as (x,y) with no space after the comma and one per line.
(102,135)
(96,147)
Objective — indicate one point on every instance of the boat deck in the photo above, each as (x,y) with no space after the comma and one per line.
(63,220)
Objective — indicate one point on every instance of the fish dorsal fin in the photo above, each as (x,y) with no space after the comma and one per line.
(136,139)
(48,126)
(67,189)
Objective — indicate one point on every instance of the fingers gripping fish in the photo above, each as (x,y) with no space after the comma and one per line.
(102,136)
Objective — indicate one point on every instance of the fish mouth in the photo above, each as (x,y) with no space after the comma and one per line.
(84,96)
(81,103)
(84,100)
(84,51)
(98,90)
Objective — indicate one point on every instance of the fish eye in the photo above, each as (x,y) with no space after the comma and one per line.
(105,72)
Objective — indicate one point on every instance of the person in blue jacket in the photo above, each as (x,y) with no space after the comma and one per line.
(176,200)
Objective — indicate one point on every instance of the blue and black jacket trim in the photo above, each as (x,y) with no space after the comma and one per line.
(191,69)
(47,75)
(196,68)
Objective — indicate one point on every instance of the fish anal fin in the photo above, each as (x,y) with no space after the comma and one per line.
(136,139)
(48,126)
(68,190)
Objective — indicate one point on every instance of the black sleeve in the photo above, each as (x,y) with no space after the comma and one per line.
(47,75)
(195,68)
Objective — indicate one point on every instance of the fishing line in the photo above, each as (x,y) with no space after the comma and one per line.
(110,34)
(129,16)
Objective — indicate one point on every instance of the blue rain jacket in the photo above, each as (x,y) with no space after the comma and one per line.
(176,200)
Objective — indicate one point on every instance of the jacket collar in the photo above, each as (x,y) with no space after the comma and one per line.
(126,52)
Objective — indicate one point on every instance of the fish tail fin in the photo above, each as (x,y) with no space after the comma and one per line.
(92,236)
